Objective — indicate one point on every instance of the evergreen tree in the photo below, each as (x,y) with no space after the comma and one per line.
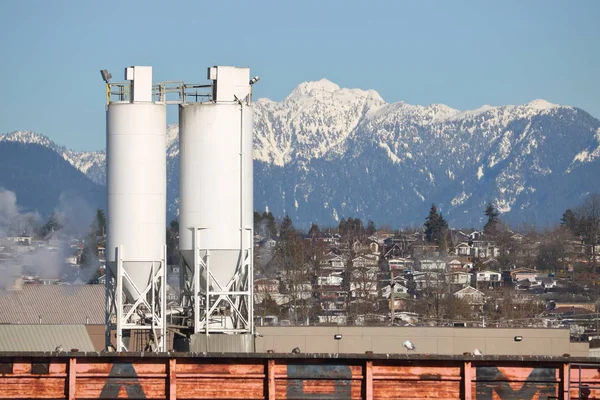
(342,227)
(51,226)
(172,240)
(257,222)
(314,231)
(432,223)
(268,226)
(271,225)
(89,255)
(491,227)
(436,229)
(371,229)
(571,221)
(100,223)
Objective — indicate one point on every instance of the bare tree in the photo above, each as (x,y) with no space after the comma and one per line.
(556,250)
(590,220)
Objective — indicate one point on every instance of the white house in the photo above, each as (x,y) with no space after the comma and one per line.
(429,279)
(471,295)
(432,265)
(488,278)
(400,264)
(398,290)
(459,278)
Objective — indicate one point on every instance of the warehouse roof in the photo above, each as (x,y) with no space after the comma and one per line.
(53,305)
(44,337)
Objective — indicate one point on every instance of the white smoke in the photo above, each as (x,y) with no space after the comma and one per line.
(12,221)
(74,214)
(74,217)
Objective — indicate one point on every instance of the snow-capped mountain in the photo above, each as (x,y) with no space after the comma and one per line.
(325,153)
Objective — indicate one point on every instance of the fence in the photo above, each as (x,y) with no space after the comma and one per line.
(294,376)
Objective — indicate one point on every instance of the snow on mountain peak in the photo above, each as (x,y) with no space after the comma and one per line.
(316,118)
(323,85)
(29,137)
(540,104)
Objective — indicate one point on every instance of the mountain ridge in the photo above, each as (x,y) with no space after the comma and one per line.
(313,142)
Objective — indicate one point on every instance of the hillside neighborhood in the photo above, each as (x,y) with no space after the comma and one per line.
(491,277)
(432,275)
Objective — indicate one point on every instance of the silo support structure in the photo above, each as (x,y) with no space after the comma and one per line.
(212,296)
(147,313)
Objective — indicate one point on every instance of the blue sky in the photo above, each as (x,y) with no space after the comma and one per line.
(461,53)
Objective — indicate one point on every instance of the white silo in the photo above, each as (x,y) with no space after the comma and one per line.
(136,217)
(216,202)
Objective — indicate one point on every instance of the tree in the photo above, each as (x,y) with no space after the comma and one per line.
(314,231)
(371,229)
(264,224)
(89,255)
(555,251)
(172,240)
(289,258)
(342,226)
(585,222)
(590,224)
(270,224)
(51,226)
(100,223)
(436,229)
(571,221)
(491,227)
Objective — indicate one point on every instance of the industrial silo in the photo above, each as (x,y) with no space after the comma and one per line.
(136,188)
(216,201)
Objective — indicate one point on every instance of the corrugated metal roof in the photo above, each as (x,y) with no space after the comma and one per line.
(53,305)
(44,337)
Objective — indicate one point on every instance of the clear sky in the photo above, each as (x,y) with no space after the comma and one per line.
(461,53)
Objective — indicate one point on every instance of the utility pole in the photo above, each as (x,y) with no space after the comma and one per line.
(393,295)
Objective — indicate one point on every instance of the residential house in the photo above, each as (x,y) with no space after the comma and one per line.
(454,264)
(266,285)
(422,249)
(464,249)
(400,264)
(20,240)
(586,305)
(428,264)
(331,238)
(510,276)
(395,251)
(401,244)
(547,282)
(488,279)
(380,236)
(366,260)
(333,261)
(373,246)
(331,278)
(486,249)
(459,278)
(517,237)
(471,295)
(364,286)
(428,280)
(267,243)
(524,273)
(399,290)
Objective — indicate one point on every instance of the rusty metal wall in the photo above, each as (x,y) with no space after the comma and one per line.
(294,376)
